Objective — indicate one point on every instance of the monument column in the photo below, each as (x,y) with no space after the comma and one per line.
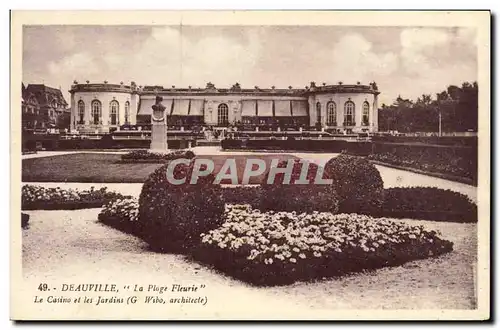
(158,127)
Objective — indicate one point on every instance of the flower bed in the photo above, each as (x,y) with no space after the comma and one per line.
(281,248)
(428,203)
(41,198)
(147,156)
(122,214)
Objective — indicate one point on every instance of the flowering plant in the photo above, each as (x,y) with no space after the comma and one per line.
(36,197)
(125,209)
(147,155)
(282,247)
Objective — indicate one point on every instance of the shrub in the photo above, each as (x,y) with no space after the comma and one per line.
(122,214)
(149,156)
(358,184)
(449,160)
(41,198)
(172,217)
(298,197)
(25,219)
(277,248)
(428,203)
(242,195)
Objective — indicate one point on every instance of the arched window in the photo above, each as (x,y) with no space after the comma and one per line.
(113,112)
(366,114)
(96,112)
(318,112)
(331,114)
(127,112)
(223,114)
(81,111)
(349,108)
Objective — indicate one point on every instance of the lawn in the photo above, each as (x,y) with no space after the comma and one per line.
(107,168)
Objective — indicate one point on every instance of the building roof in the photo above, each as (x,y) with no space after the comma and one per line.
(44,95)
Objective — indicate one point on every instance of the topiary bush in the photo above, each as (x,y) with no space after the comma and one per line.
(428,203)
(358,184)
(172,217)
(307,198)
(242,195)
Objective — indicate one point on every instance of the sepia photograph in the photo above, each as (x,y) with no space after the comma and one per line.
(250,165)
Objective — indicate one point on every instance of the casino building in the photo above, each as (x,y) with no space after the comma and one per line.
(104,107)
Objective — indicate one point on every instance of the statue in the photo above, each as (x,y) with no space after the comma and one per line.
(158,127)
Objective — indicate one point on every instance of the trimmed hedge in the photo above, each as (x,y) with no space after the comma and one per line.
(140,156)
(41,198)
(279,196)
(172,217)
(452,160)
(25,219)
(358,147)
(243,195)
(428,203)
(358,183)
(281,248)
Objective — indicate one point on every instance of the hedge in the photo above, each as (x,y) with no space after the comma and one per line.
(139,156)
(428,203)
(358,183)
(337,146)
(172,217)
(279,196)
(25,219)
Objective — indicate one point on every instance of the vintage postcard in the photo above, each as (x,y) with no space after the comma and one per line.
(260,165)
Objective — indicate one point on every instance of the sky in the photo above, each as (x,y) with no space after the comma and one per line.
(401,60)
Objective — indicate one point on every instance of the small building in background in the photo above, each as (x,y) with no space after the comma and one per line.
(44,107)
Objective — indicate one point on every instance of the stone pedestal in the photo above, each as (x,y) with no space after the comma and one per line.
(159,127)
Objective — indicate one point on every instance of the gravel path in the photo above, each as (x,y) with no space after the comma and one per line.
(72,247)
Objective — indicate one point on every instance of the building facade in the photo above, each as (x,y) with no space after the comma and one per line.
(43,107)
(105,107)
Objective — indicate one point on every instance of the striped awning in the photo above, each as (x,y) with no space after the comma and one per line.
(265,108)
(196,108)
(145,107)
(299,108)
(181,107)
(248,108)
(282,109)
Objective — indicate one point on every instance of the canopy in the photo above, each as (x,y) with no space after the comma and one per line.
(181,107)
(299,108)
(196,108)
(265,108)
(282,109)
(248,108)
(145,106)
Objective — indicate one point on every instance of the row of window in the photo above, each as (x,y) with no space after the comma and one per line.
(222,113)
(349,111)
(96,112)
